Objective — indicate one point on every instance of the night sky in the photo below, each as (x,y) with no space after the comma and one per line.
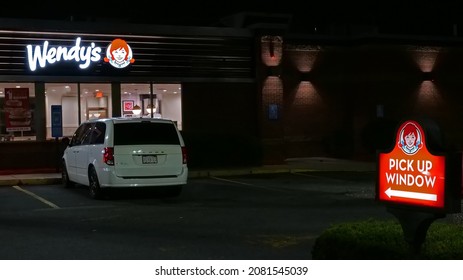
(426,17)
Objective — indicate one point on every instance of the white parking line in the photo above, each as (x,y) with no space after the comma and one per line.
(52,205)
(232,181)
(249,185)
(319,177)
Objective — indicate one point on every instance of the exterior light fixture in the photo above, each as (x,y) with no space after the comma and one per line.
(427,76)
(274,71)
(305,76)
(99,94)
(136,110)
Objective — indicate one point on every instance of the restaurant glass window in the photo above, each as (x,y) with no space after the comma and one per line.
(95,102)
(64,94)
(164,102)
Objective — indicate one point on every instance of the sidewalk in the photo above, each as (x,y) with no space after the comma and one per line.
(291,165)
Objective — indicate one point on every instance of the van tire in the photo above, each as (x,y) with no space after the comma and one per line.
(65,176)
(94,185)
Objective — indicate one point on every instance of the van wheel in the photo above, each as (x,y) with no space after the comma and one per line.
(94,185)
(65,176)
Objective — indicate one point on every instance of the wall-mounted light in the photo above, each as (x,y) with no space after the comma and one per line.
(427,76)
(99,94)
(273,71)
(136,110)
(305,76)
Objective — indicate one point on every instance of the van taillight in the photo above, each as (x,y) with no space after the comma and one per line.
(184,158)
(108,156)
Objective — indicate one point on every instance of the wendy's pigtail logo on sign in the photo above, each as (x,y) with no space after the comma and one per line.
(119,54)
(410,139)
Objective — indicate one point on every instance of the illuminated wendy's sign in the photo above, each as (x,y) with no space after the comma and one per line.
(410,174)
(43,55)
(118,54)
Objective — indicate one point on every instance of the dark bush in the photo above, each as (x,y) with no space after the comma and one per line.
(381,240)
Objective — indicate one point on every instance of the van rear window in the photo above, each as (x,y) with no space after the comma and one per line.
(145,133)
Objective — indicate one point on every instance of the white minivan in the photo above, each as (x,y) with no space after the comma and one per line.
(126,153)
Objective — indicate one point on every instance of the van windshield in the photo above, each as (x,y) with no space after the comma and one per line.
(145,133)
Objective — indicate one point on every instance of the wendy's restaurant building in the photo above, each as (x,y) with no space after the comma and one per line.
(240,95)
(56,74)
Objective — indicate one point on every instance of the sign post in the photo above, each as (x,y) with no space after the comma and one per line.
(419,179)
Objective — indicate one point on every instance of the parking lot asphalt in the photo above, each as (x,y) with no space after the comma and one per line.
(289,166)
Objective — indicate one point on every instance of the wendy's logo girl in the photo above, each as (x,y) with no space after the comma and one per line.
(119,54)
(410,139)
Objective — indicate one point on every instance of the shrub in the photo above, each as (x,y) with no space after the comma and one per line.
(380,240)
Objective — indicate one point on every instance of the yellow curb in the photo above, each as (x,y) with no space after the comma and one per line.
(9,182)
(39,181)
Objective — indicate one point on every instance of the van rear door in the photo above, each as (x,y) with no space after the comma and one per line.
(147,149)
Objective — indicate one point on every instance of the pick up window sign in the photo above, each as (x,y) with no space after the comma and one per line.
(410,174)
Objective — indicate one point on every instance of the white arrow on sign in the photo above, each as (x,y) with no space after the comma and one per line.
(416,195)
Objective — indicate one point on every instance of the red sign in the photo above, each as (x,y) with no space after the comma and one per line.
(127,105)
(410,174)
(17,109)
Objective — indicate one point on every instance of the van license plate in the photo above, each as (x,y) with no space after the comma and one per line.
(149,159)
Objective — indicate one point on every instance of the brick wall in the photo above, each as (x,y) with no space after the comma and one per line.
(341,100)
